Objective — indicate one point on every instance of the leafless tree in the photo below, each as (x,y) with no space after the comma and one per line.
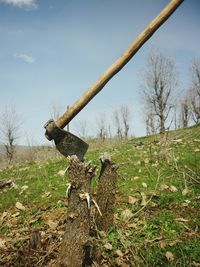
(55,111)
(195,92)
(101,127)
(122,118)
(185,110)
(150,122)
(196,75)
(125,115)
(82,128)
(117,123)
(9,128)
(160,80)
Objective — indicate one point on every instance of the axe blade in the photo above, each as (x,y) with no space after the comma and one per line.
(66,143)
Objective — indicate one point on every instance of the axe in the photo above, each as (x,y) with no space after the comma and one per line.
(69,144)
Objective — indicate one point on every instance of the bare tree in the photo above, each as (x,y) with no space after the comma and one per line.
(185,110)
(82,127)
(122,118)
(55,111)
(125,115)
(195,92)
(101,127)
(160,80)
(150,122)
(117,122)
(196,75)
(9,129)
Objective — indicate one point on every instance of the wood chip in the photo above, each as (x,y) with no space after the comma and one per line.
(169,256)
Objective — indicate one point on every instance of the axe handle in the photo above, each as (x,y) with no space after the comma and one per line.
(118,64)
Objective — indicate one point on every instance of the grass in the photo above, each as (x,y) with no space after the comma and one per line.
(164,169)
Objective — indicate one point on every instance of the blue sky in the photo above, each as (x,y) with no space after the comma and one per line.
(51,51)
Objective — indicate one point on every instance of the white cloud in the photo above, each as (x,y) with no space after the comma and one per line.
(26,58)
(21,3)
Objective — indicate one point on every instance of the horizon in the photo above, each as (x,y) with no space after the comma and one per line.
(52,52)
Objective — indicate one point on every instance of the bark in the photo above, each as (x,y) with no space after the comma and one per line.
(75,242)
(162,124)
(106,194)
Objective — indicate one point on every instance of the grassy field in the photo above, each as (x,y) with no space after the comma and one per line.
(157,216)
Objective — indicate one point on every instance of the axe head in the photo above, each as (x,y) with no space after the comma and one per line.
(66,143)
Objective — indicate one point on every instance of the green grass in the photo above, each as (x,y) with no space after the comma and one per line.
(162,168)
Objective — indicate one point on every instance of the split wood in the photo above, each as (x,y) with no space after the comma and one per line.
(77,240)
(106,194)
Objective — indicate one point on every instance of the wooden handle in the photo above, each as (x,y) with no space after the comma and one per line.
(118,64)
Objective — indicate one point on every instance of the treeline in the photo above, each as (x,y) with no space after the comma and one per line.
(164,106)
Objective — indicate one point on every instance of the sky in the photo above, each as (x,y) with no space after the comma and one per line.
(52,51)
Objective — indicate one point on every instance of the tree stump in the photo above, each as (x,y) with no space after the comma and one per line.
(106,194)
(76,238)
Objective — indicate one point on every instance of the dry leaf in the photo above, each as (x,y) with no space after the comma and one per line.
(196,264)
(62,173)
(136,177)
(169,256)
(163,187)
(173,189)
(144,199)
(153,204)
(144,185)
(173,243)
(2,243)
(108,246)
(187,202)
(132,225)
(126,215)
(46,194)
(16,214)
(24,187)
(132,200)
(5,213)
(19,206)
(118,253)
(162,244)
(52,224)
(185,191)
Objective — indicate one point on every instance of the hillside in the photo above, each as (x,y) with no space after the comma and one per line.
(157,216)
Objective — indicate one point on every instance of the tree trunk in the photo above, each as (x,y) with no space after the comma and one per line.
(76,238)
(106,194)
(162,124)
